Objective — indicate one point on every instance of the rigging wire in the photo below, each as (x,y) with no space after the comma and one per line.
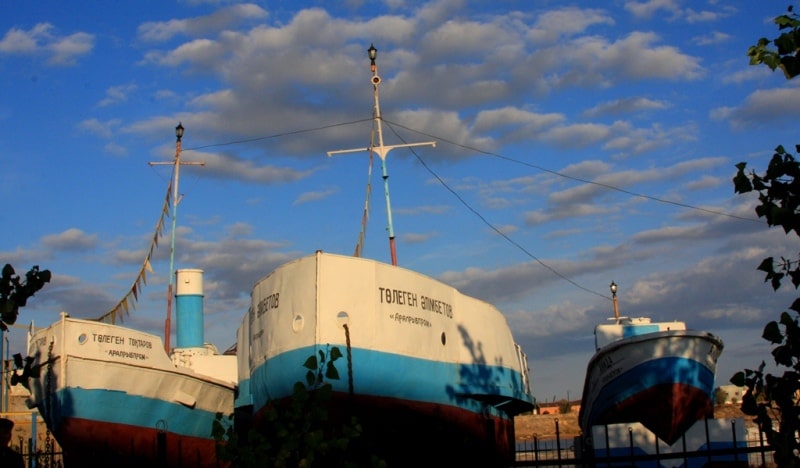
(491,226)
(488,153)
(578,179)
(278,135)
(392,124)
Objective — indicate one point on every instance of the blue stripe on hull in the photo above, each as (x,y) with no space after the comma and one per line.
(243,396)
(665,371)
(394,376)
(104,405)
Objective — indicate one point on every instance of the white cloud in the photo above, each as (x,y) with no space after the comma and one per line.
(159,31)
(72,239)
(117,94)
(43,39)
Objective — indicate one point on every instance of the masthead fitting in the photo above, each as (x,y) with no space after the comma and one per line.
(373,54)
(613,287)
(179,131)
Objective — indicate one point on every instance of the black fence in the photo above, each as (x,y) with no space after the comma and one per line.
(47,456)
(557,451)
(33,440)
(753,451)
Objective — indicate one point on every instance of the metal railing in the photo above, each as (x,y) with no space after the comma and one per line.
(571,452)
(39,449)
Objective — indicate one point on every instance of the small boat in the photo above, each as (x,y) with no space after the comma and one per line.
(656,373)
(113,394)
(431,374)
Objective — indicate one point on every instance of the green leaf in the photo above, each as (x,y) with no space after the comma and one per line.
(795,276)
(738,379)
(741,182)
(772,333)
(331,372)
(767,265)
(783,356)
(787,319)
(749,406)
(311,363)
(8,272)
(335,353)
(776,281)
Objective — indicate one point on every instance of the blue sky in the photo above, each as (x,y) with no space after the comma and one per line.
(599,138)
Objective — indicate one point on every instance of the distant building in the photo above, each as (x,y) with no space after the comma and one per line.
(555,407)
(734,393)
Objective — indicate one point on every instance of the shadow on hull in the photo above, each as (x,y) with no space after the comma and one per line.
(129,446)
(686,405)
(404,433)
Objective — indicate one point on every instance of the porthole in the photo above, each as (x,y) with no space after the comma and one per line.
(444,339)
(343,318)
(82,338)
(297,323)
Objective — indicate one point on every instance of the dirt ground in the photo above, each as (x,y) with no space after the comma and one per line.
(544,426)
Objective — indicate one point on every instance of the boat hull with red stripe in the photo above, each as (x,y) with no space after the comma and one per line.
(657,374)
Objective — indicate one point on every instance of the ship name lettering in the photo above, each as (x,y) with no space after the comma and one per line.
(397,296)
(412,320)
(611,375)
(137,343)
(268,303)
(112,339)
(126,354)
(605,363)
(411,299)
(440,307)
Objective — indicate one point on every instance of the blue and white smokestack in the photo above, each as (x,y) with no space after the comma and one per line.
(189,304)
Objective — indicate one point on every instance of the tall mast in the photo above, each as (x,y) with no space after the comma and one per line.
(613,288)
(176,163)
(381,150)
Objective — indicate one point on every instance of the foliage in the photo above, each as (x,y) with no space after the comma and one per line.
(786,51)
(14,294)
(297,432)
(773,399)
(779,195)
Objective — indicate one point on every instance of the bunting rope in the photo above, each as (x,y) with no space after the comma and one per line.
(122,308)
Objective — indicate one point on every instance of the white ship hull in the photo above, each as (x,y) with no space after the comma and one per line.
(418,353)
(108,392)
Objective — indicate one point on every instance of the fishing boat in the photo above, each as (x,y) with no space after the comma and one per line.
(659,374)
(426,370)
(113,394)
